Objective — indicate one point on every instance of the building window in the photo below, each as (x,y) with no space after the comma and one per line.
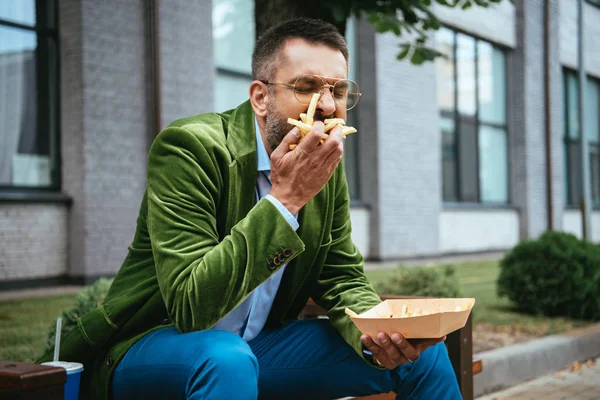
(28,95)
(471,92)
(233,39)
(572,137)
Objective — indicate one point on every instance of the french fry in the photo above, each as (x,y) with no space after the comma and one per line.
(304,128)
(305,124)
(346,130)
(330,126)
(312,107)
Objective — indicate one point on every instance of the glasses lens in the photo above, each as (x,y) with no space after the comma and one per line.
(346,93)
(306,86)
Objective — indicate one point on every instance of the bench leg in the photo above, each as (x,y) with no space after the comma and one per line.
(460,350)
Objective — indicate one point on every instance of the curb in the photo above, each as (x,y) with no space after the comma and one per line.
(23,294)
(509,366)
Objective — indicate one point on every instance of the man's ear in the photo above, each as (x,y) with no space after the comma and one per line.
(259,98)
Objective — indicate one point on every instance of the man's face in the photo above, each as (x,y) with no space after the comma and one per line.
(300,57)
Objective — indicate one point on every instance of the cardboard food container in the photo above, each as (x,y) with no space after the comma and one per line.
(443,317)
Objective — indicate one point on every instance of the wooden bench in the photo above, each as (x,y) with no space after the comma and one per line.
(459,345)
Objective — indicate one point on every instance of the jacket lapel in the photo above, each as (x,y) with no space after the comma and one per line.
(241,142)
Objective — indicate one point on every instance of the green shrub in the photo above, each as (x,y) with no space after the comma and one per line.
(422,281)
(86,300)
(555,275)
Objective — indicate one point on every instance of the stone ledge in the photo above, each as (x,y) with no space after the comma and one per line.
(509,366)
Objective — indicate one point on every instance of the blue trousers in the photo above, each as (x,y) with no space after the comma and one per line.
(302,360)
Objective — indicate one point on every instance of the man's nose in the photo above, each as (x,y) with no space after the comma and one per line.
(326,102)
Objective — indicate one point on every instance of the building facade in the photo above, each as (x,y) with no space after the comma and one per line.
(470,153)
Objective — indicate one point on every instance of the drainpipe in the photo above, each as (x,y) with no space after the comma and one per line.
(548,119)
(585,163)
(156,122)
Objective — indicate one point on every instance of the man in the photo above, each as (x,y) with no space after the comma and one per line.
(236,231)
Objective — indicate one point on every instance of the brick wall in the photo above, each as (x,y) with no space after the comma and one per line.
(107,109)
(527,144)
(186,53)
(105,92)
(33,240)
(408,154)
(495,23)
(568,36)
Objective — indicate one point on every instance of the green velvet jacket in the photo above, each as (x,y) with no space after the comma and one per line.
(202,245)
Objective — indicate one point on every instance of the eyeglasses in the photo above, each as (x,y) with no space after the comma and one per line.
(344,92)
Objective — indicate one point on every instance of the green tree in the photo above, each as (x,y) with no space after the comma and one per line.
(412,18)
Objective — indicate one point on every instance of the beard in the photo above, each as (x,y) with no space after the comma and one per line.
(277,126)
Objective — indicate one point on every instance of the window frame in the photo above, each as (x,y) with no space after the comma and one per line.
(456,117)
(595,3)
(568,141)
(47,59)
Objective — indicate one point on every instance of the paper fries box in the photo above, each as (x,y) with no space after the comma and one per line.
(442,319)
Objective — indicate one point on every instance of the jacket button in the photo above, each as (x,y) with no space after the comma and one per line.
(276,261)
(281,257)
(109,361)
(271,265)
(287,252)
(166,321)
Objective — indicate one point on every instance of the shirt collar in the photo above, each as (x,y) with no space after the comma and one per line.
(264,162)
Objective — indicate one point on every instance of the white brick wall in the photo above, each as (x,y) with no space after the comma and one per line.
(33,240)
(105,137)
(186,51)
(107,112)
(527,122)
(408,154)
(572,224)
(495,23)
(568,36)
(478,230)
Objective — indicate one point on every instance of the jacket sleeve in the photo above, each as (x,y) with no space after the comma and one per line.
(201,278)
(342,282)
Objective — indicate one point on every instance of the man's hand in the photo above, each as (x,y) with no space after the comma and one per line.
(298,175)
(397,350)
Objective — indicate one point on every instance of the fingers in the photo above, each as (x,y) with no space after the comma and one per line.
(334,147)
(405,347)
(313,139)
(378,352)
(292,137)
(392,352)
(388,357)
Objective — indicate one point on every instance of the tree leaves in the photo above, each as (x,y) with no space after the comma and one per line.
(403,17)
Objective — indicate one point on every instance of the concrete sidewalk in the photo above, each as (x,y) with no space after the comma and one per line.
(435,260)
(580,382)
(40,292)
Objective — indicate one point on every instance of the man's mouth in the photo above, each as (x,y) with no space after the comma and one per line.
(320,117)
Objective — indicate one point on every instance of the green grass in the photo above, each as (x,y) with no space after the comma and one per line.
(24,325)
(478,280)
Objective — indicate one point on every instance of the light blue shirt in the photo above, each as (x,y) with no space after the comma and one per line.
(248,319)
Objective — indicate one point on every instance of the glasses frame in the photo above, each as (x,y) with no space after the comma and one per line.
(321,90)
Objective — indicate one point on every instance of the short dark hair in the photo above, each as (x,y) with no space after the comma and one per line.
(268,47)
